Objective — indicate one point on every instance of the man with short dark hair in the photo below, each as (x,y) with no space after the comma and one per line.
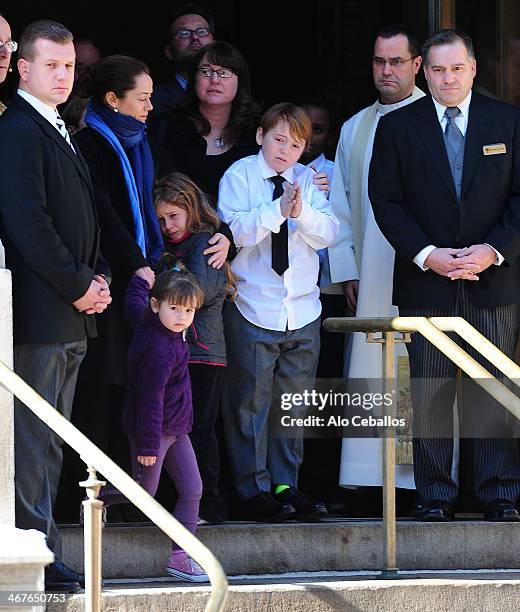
(49,228)
(191,28)
(445,187)
(360,258)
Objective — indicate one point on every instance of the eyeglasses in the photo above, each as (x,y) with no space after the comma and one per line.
(200,32)
(221,73)
(394,62)
(10,46)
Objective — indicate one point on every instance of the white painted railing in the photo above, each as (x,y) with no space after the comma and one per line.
(97,460)
(433,330)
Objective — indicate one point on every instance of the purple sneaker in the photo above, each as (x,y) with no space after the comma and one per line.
(186,568)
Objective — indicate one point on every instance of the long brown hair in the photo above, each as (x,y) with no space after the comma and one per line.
(178,189)
(245,110)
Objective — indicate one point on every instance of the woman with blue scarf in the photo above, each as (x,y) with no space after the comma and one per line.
(116,149)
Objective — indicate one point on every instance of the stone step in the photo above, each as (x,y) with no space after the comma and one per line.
(136,551)
(322,592)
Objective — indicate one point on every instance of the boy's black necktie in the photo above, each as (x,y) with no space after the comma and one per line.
(279,241)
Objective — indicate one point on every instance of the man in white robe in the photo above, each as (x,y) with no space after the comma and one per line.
(361,258)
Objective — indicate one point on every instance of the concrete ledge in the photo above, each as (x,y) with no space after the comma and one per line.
(319,596)
(23,555)
(247,548)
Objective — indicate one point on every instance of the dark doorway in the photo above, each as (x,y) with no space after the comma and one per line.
(320,51)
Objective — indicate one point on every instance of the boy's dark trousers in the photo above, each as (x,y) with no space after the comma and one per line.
(259,361)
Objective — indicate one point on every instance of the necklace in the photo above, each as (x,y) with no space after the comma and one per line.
(219,142)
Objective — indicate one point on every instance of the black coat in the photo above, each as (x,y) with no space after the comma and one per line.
(415,204)
(121,251)
(48,226)
(167,95)
(184,150)
(107,354)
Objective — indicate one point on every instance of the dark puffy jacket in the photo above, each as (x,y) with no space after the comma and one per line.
(207,344)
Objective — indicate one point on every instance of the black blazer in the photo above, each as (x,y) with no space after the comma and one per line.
(167,95)
(415,205)
(184,150)
(119,249)
(48,226)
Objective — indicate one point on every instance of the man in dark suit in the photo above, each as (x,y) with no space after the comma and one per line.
(49,228)
(191,28)
(445,188)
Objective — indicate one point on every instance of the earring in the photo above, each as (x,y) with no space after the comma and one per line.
(10,69)
(116,110)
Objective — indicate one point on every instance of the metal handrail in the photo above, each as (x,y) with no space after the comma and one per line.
(433,330)
(92,456)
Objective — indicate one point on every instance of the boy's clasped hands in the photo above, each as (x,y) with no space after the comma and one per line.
(291,200)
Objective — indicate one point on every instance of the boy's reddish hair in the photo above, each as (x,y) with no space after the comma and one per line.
(300,125)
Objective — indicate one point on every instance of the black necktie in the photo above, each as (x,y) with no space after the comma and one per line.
(279,241)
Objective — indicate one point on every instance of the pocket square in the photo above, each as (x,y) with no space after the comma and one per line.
(494,149)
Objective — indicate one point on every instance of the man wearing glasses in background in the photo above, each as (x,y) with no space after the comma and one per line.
(191,29)
(360,258)
(7,47)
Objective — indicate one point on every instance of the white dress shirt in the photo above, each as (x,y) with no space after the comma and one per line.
(245,203)
(47,112)
(461,122)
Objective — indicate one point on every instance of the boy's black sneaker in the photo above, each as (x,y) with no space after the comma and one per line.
(264,508)
(307,508)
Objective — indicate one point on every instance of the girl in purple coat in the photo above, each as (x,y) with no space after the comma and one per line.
(158,413)
(187,222)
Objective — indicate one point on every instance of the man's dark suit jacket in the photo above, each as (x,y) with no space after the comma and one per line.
(48,226)
(415,204)
(167,95)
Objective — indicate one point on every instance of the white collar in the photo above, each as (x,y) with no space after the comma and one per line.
(463,107)
(384,109)
(48,112)
(267,172)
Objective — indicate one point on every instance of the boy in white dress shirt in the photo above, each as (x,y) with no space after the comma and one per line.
(272,329)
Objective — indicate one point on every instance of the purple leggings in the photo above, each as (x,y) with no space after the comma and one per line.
(177,456)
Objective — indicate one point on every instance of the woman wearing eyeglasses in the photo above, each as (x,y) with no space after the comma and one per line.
(7,47)
(217,124)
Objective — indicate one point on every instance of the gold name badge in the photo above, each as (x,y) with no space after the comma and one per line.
(494,149)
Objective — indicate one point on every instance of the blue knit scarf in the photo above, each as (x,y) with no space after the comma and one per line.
(128,138)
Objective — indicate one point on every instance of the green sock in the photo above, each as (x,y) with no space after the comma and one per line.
(280,488)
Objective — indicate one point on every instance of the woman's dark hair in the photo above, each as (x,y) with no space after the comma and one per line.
(245,111)
(116,73)
(176,285)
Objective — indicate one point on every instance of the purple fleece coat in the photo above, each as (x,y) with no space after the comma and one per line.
(159,389)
